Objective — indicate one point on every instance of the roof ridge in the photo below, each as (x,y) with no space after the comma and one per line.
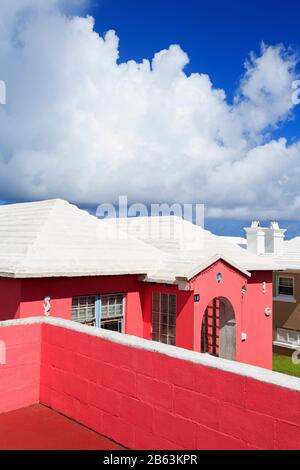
(31,248)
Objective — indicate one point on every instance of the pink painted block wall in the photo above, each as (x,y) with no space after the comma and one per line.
(20,375)
(147,400)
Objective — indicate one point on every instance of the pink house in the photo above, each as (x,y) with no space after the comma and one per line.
(161,279)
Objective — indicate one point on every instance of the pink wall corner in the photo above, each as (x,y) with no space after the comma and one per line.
(185,320)
(257,350)
(20,375)
(134,320)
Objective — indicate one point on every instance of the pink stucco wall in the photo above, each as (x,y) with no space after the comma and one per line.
(145,399)
(249,310)
(10,298)
(24,298)
(20,376)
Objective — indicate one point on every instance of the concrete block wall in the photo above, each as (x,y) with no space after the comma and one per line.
(149,396)
(20,374)
(146,395)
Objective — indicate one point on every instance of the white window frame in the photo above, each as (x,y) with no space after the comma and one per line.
(288,338)
(284,297)
(98,298)
(86,321)
(160,324)
(123,307)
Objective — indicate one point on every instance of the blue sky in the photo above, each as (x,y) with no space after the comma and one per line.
(217,34)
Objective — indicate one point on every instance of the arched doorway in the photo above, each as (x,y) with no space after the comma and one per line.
(218,334)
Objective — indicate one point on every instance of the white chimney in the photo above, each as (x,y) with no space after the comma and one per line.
(255,238)
(274,238)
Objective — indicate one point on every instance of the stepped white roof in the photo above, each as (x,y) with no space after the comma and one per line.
(287,259)
(240,241)
(56,239)
(188,249)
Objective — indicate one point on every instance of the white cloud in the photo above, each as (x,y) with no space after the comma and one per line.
(80,125)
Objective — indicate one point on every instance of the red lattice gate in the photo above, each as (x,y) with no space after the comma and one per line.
(210,335)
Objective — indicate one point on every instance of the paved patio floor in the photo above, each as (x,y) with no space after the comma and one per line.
(39,428)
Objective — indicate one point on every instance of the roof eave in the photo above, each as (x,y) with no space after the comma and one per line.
(203,266)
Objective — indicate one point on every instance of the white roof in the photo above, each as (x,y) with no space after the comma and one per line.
(240,241)
(188,249)
(287,259)
(56,239)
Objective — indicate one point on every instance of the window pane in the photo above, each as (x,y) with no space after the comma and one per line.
(172,331)
(119,299)
(171,341)
(83,309)
(112,312)
(286,281)
(164,318)
(285,291)
(155,317)
(172,304)
(164,303)
(164,339)
(286,286)
(112,325)
(155,302)
(155,337)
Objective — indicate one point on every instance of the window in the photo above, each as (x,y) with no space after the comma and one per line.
(105,311)
(285,286)
(112,312)
(291,337)
(164,318)
(84,310)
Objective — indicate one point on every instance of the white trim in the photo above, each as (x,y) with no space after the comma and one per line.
(286,345)
(288,336)
(257,373)
(282,297)
(201,267)
(285,298)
